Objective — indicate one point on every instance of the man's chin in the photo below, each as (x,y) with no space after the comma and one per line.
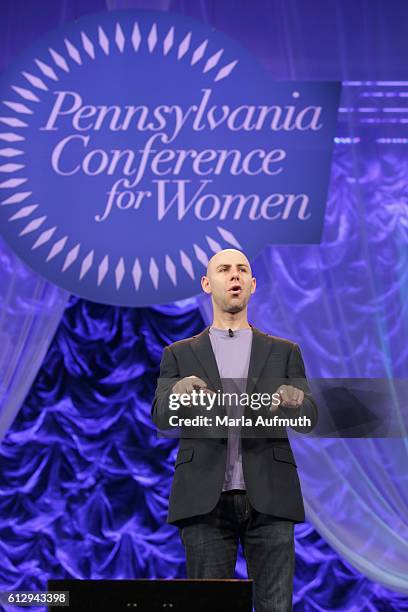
(235,308)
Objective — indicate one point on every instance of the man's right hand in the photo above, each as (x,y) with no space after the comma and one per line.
(188,384)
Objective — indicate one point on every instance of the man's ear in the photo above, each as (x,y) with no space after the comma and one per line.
(205,284)
(253,285)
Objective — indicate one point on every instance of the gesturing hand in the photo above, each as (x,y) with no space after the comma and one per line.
(188,384)
(291,397)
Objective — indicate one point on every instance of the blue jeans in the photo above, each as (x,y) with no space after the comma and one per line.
(211,545)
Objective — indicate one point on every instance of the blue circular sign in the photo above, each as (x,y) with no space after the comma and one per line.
(136,144)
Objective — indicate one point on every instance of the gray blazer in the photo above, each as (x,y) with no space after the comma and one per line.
(268,463)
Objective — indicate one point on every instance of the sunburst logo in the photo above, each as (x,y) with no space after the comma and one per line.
(134,145)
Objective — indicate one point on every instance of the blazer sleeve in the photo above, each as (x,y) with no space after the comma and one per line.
(297,375)
(169,375)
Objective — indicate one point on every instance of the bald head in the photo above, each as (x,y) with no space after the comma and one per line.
(227,256)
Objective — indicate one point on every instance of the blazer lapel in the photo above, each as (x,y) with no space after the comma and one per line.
(202,348)
(261,347)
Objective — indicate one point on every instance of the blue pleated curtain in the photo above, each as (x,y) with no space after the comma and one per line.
(30,312)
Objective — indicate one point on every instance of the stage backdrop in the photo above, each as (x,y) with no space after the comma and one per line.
(84,481)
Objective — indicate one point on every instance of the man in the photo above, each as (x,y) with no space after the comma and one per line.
(235,488)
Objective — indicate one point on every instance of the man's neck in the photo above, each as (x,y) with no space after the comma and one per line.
(227,320)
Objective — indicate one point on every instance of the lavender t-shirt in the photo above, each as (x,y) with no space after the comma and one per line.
(232,355)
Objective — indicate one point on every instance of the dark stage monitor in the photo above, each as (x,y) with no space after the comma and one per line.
(155,595)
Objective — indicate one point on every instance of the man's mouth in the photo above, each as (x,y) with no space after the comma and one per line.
(235,289)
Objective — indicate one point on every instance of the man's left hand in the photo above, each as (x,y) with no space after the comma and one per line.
(291,397)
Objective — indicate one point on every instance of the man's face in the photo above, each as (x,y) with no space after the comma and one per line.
(229,280)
